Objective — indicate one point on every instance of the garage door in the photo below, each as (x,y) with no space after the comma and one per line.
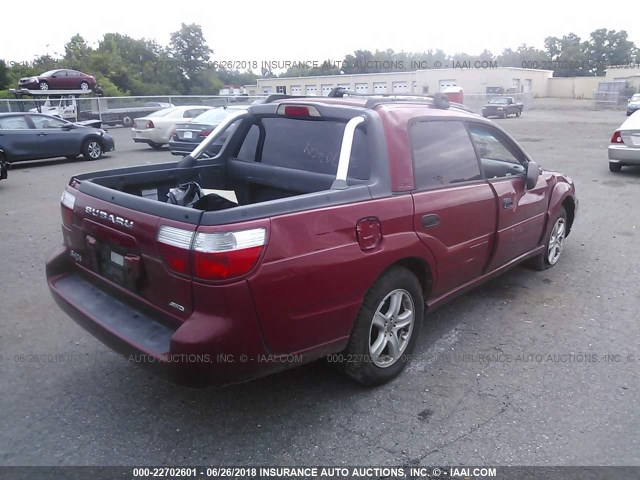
(448,83)
(311,90)
(400,87)
(362,88)
(296,90)
(326,88)
(379,87)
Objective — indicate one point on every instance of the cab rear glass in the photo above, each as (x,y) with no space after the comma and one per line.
(301,144)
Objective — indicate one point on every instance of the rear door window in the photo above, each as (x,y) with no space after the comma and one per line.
(442,154)
(14,123)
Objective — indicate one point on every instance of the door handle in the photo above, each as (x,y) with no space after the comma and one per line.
(41,134)
(507,202)
(430,220)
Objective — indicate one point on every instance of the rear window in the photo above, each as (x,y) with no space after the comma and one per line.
(309,145)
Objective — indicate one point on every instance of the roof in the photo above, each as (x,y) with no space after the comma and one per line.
(378,102)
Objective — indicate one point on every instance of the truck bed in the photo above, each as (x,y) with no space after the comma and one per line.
(261,190)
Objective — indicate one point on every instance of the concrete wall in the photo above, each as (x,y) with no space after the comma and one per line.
(630,75)
(573,87)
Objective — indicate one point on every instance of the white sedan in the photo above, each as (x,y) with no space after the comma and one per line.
(625,144)
(155,129)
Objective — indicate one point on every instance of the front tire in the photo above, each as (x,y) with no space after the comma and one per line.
(518,113)
(386,329)
(92,149)
(43,85)
(156,146)
(554,243)
(615,167)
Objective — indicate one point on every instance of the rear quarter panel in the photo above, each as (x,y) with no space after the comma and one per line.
(314,276)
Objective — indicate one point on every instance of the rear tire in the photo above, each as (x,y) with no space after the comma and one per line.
(92,149)
(127,121)
(615,167)
(156,146)
(554,244)
(518,113)
(386,329)
(84,86)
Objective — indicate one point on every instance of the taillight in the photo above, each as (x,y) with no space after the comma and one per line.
(68,201)
(205,133)
(616,138)
(174,245)
(149,124)
(225,255)
(211,256)
(174,133)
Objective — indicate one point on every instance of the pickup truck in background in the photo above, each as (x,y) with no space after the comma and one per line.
(501,107)
(331,226)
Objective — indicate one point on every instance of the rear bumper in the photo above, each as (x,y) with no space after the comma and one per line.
(203,350)
(624,154)
(148,136)
(182,148)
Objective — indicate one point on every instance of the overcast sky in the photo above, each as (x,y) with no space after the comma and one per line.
(305,31)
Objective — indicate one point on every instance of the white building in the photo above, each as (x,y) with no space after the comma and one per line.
(471,80)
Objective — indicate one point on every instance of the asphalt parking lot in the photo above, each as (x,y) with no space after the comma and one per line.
(562,386)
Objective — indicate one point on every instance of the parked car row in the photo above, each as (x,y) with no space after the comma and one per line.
(182,128)
(155,129)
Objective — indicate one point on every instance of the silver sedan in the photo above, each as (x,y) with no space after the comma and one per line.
(625,144)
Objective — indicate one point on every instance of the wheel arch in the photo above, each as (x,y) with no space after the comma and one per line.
(420,268)
(569,205)
(561,196)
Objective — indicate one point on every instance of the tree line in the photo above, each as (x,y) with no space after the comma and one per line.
(124,65)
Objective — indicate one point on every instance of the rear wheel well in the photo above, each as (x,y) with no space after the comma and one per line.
(569,207)
(422,272)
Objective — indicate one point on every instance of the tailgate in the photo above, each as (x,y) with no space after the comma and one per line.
(119,245)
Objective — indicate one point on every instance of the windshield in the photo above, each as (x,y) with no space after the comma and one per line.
(213,116)
(48,73)
(162,113)
(499,101)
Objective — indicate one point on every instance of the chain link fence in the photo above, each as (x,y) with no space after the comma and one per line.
(114,111)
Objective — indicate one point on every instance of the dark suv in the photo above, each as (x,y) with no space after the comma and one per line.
(344,221)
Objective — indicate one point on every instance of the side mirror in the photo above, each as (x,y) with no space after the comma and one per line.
(533,173)
(68,126)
